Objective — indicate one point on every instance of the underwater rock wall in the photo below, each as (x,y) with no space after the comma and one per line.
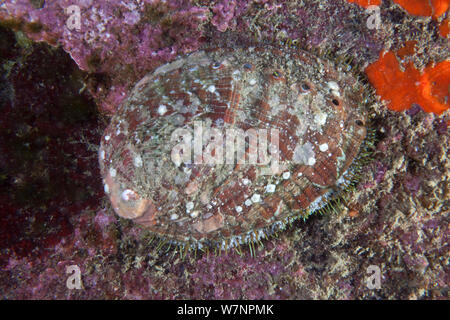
(396,219)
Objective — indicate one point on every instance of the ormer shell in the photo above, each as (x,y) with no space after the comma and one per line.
(314,108)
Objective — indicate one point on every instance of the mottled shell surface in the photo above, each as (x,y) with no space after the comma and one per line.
(315,107)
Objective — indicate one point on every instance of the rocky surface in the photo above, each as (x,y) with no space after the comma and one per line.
(53,210)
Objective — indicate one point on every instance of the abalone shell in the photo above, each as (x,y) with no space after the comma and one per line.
(192,196)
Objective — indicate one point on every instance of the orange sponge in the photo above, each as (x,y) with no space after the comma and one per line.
(434,8)
(366,3)
(433,88)
(444,28)
(429,89)
(408,49)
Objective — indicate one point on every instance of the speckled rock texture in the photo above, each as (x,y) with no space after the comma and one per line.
(53,210)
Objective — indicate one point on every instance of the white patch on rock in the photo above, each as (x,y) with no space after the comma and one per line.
(303,154)
(126,194)
(256,198)
(334,88)
(162,109)
(311,161)
(194,214)
(323,147)
(270,188)
(137,161)
(320,118)
(211,88)
(236,75)
(189,206)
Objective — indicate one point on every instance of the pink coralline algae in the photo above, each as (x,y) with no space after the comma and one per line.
(54,212)
(227,12)
(119,40)
(223,13)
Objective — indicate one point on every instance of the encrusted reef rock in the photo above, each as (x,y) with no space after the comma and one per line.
(395,219)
